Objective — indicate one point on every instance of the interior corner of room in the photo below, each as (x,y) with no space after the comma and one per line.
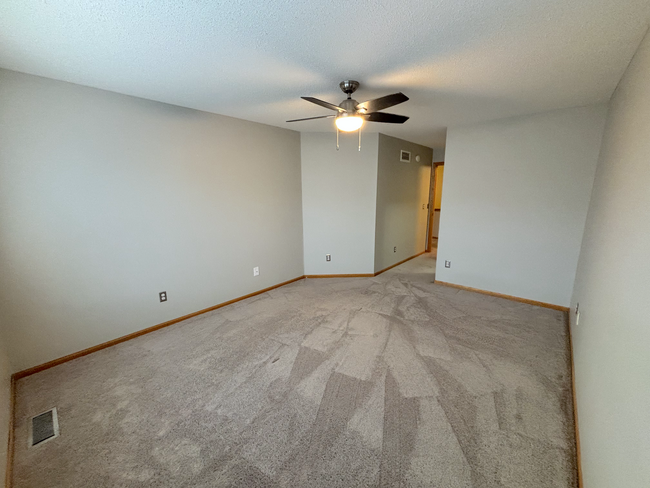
(121,215)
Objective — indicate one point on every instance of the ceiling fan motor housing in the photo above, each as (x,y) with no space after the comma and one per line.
(349,105)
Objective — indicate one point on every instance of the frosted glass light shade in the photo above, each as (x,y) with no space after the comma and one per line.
(349,124)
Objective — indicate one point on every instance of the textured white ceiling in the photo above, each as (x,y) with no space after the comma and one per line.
(460,61)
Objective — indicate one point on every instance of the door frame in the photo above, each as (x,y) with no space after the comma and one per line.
(432,200)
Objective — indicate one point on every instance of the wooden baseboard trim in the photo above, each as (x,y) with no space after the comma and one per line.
(42,367)
(90,350)
(575,404)
(361,275)
(397,264)
(364,275)
(507,297)
(10,436)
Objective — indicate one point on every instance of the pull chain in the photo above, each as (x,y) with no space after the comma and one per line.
(337,138)
(359,139)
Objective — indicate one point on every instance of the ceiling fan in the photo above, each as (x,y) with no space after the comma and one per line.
(351,114)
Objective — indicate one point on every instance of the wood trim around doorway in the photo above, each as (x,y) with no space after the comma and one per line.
(432,200)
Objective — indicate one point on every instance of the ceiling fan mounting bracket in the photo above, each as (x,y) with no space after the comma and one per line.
(349,87)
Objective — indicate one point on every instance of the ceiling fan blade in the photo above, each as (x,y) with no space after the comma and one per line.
(383,102)
(312,118)
(387,118)
(322,103)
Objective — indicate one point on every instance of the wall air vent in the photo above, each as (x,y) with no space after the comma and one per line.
(43,427)
(405,156)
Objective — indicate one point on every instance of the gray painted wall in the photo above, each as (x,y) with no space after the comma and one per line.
(515,200)
(106,200)
(402,191)
(612,340)
(339,195)
(438,154)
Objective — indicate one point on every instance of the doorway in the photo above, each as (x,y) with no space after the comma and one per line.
(435,198)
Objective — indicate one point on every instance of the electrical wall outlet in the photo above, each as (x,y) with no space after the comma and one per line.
(256,271)
(328,257)
(163,296)
(423,206)
(447,264)
(395,249)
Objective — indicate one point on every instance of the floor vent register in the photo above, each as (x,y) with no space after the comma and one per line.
(43,427)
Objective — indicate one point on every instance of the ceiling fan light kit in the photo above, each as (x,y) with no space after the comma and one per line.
(348,123)
(351,115)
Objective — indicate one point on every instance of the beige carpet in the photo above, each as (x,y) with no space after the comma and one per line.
(385,381)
